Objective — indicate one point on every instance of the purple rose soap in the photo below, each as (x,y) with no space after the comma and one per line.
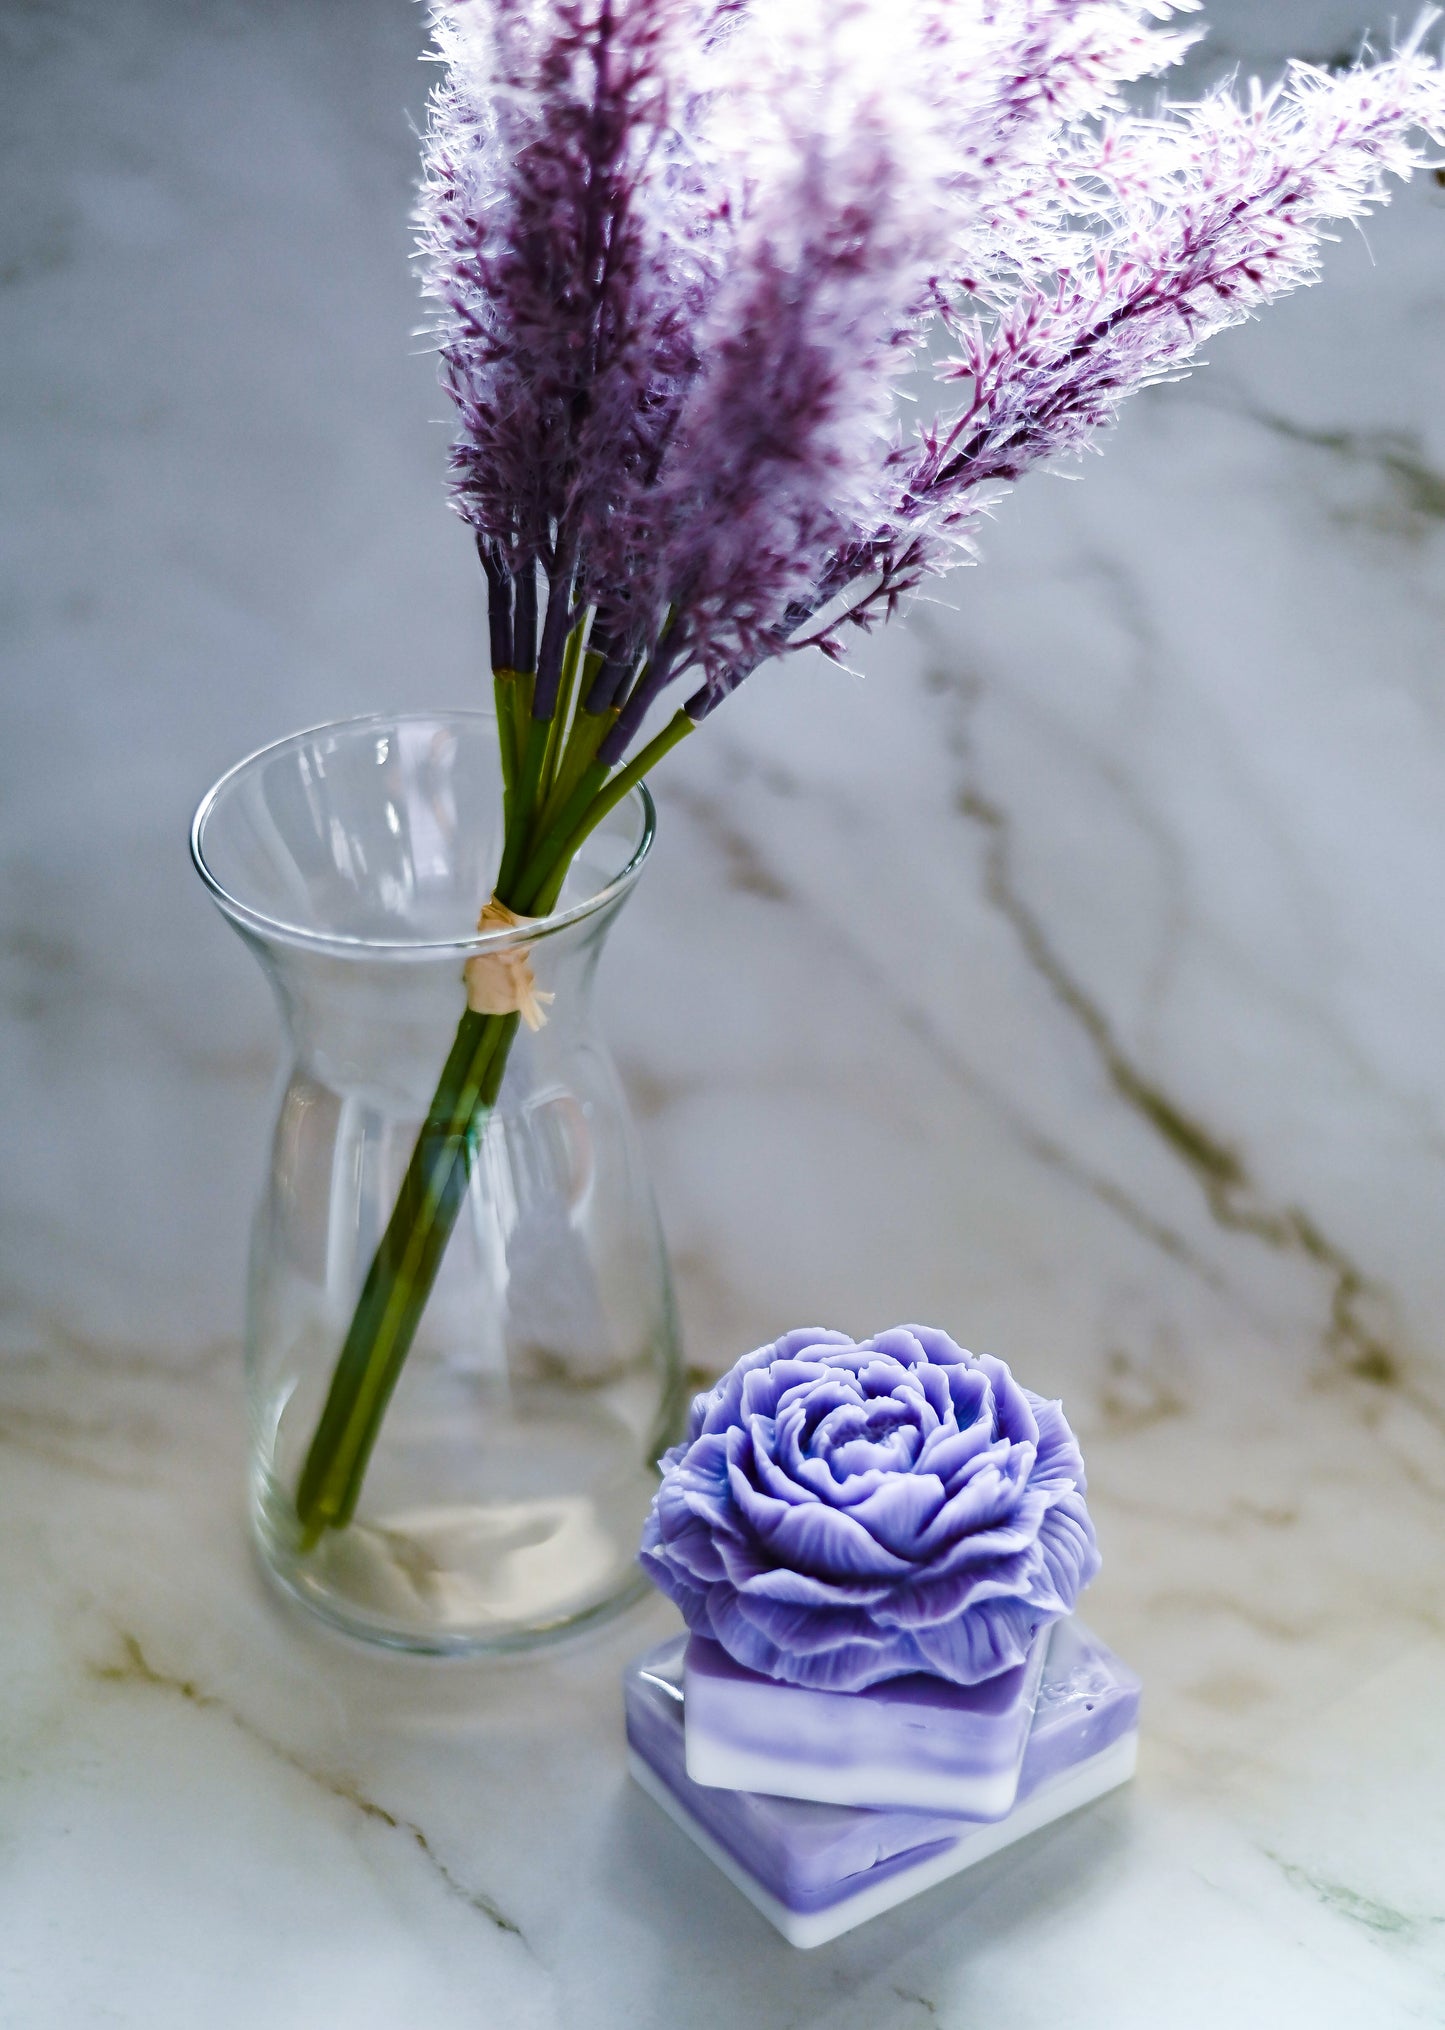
(870,1543)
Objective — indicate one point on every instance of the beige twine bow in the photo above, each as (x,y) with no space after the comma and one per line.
(502,983)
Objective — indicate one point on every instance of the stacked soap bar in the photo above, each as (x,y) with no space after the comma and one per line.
(817,1869)
(914,1742)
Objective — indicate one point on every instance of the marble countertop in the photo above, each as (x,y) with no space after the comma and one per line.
(1075,980)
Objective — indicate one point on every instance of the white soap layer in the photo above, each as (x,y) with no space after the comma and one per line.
(1067,1793)
(914,1744)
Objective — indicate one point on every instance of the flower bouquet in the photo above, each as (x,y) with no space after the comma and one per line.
(750,312)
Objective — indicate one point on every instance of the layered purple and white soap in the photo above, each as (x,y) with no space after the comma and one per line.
(817,1870)
(918,1742)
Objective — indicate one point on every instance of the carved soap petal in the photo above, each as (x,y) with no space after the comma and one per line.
(845,1513)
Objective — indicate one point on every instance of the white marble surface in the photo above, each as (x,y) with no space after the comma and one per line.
(1076,981)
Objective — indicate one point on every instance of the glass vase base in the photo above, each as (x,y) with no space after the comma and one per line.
(460,1578)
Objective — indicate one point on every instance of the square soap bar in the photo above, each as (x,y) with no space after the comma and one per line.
(916,1742)
(817,1870)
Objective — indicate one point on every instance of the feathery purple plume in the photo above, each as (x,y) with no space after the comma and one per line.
(683,252)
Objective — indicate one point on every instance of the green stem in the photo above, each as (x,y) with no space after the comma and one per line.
(557,736)
(542,873)
(403,1269)
(588,731)
(543,858)
(504,686)
(400,1276)
(524,806)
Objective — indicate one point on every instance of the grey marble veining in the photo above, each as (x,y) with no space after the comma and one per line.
(1073,979)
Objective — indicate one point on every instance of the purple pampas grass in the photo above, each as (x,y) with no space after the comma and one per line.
(681,256)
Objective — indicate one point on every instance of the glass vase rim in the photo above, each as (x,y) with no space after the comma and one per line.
(341,944)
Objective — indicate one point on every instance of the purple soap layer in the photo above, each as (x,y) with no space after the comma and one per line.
(813,1856)
(916,1743)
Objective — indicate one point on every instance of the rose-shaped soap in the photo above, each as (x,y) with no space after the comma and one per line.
(840,1514)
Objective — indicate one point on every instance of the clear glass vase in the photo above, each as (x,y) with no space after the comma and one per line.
(506,1490)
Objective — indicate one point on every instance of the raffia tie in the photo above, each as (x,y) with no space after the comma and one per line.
(503,983)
